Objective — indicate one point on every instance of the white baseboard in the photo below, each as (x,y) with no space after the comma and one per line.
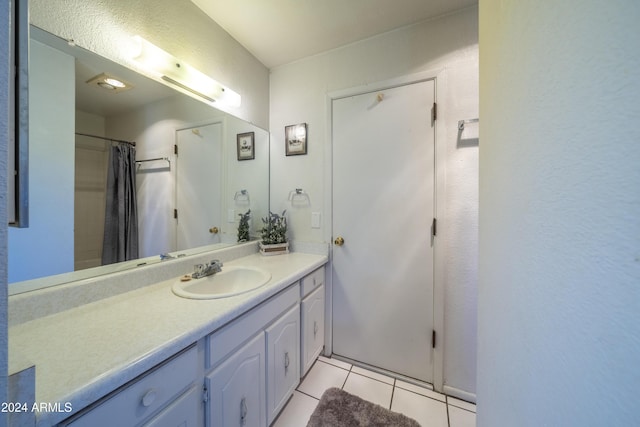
(460,394)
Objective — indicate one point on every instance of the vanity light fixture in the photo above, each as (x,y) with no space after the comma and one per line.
(170,69)
(110,83)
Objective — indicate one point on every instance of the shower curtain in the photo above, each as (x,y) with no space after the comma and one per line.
(121,215)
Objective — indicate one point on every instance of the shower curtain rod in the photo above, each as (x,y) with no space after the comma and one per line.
(107,139)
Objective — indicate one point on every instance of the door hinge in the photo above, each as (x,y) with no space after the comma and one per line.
(433,338)
(205,394)
(175,149)
(433,227)
(435,111)
(175,213)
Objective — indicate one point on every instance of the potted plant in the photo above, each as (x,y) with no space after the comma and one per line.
(274,234)
(243,227)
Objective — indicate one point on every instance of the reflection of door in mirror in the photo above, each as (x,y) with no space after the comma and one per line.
(92,156)
(67,218)
(198,186)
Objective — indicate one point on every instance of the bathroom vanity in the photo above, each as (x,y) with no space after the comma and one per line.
(150,357)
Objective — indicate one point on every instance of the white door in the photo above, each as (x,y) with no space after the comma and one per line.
(91,163)
(198,186)
(383,208)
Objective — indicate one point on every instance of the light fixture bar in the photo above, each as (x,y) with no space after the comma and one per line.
(170,69)
(187,88)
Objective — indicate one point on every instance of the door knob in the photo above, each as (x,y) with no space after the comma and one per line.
(213,230)
(339,241)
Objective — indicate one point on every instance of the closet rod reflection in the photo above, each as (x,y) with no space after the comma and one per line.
(166,159)
(107,139)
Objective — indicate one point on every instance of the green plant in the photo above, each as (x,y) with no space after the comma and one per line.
(274,229)
(243,226)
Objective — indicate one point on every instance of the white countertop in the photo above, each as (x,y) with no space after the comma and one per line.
(84,353)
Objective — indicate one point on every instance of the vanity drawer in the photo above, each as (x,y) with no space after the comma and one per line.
(311,282)
(147,394)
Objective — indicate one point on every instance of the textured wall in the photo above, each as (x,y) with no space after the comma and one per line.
(559,271)
(299,94)
(177,26)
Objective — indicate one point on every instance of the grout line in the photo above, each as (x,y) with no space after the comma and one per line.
(446,401)
(345,380)
(307,394)
(464,409)
(393,392)
(347,377)
(335,366)
(428,397)
(375,379)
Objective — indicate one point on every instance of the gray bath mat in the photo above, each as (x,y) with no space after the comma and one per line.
(337,408)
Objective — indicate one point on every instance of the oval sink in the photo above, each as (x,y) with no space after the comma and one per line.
(233,280)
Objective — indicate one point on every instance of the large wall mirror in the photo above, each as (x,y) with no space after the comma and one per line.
(192,180)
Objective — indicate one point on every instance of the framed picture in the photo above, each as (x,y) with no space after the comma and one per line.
(295,139)
(246,146)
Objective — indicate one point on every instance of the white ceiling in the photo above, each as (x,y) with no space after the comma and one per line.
(281,31)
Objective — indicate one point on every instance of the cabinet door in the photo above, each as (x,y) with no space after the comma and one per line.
(237,388)
(312,328)
(283,361)
(186,411)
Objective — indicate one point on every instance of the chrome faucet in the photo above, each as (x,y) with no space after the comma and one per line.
(164,257)
(207,269)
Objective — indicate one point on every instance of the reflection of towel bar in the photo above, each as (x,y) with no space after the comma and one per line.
(242,195)
(299,193)
(156,159)
(461,123)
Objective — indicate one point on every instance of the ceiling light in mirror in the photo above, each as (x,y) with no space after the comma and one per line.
(110,83)
(170,69)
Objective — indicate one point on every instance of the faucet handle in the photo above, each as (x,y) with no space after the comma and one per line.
(198,268)
(216,265)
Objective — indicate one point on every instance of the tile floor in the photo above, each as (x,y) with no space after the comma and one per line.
(427,407)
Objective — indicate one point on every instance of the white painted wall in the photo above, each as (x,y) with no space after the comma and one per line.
(559,271)
(44,248)
(299,94)
(250,175)
(177,26)
(153,128)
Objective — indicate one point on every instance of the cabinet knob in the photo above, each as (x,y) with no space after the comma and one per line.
(315,328)
(286,362)
(148,398)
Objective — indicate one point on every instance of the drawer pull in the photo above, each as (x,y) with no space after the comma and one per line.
(243,411)
(286,362)
(148,398)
